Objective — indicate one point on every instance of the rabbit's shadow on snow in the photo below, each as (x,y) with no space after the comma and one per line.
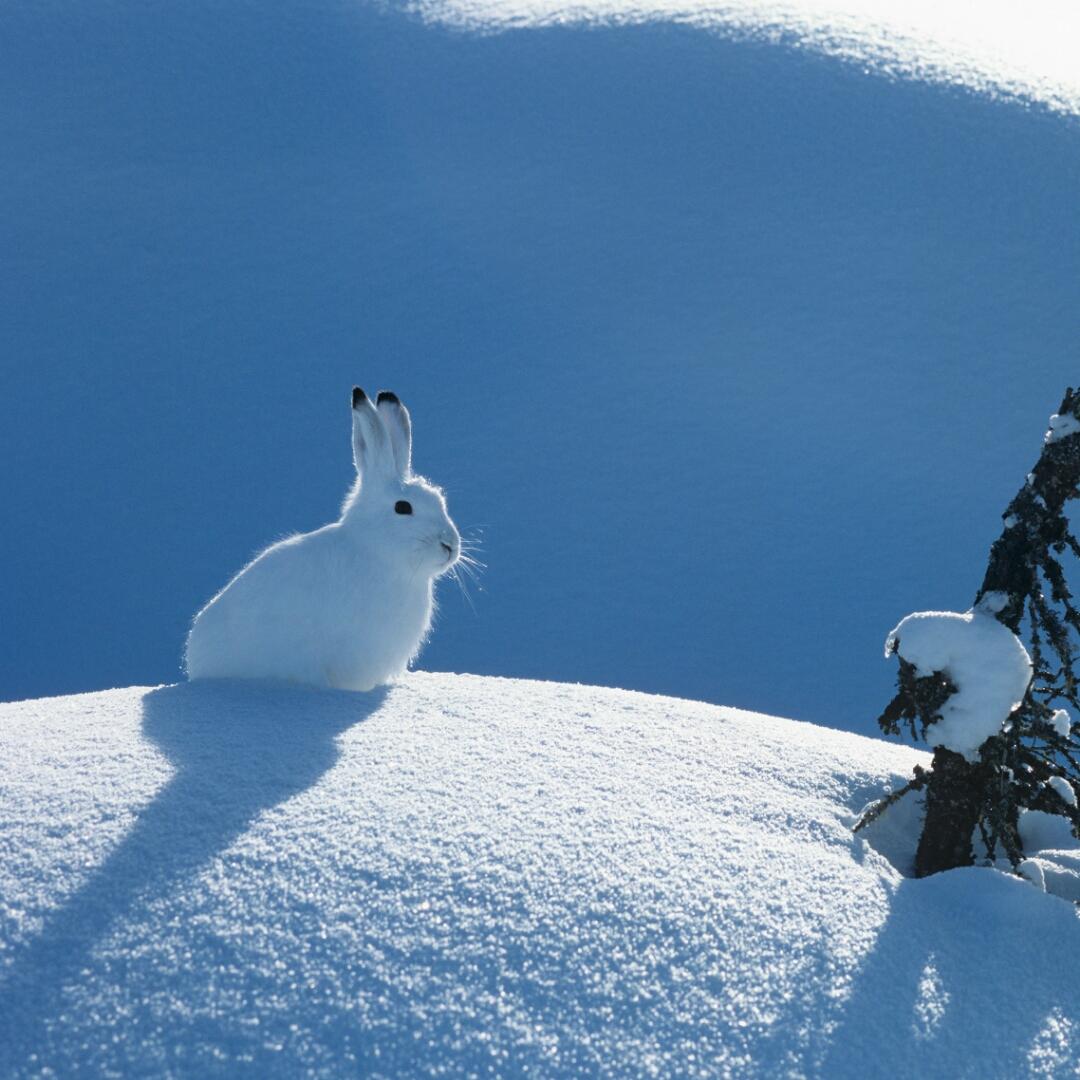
(238,749)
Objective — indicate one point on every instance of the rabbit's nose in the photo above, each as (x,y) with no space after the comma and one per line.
(449,542)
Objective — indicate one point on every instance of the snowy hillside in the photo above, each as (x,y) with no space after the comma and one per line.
(463,875)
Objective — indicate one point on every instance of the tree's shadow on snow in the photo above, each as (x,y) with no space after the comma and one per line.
(934,978)
(238,750)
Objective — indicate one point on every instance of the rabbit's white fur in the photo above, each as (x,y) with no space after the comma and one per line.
(349,605)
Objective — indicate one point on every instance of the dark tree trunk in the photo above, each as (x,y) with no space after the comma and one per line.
(952,812)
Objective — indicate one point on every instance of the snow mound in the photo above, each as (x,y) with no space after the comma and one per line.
(467,876)
(985,660)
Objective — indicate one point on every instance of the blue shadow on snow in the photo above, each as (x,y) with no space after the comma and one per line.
(238,750)
(930,989)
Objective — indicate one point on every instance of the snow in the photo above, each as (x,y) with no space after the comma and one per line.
(985,660)
(1032,870)
(1063,789)
(992,47)
(993,602)
(1054,862)
(1061,722)
(474,876)
(1061,427)
(1042,831)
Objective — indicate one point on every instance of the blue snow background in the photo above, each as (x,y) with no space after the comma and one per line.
(733,353)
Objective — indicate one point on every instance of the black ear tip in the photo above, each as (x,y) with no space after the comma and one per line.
(358,397)
(388,395)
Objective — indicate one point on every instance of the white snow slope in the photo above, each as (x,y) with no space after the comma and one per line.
(471,876)
(994,47)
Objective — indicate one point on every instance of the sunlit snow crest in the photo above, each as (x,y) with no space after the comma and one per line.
(1029,52)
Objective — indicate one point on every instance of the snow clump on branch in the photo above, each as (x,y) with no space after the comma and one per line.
(986,662)
(1061,425)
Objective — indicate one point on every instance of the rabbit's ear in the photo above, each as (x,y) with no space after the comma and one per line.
(398,424)
(370,440)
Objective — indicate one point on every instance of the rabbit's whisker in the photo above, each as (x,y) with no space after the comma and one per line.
(464,589)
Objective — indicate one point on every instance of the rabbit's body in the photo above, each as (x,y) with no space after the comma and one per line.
(279,619)
(349,605)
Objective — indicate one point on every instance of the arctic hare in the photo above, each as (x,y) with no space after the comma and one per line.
(349,605)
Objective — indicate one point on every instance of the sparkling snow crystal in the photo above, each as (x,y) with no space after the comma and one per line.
(987,662)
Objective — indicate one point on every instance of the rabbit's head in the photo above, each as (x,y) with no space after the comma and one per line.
(402,515)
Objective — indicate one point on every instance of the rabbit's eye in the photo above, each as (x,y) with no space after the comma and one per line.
(402,507)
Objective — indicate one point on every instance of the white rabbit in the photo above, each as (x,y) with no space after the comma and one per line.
(349,605)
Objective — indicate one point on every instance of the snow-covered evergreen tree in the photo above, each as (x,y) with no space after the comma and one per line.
(992,709)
